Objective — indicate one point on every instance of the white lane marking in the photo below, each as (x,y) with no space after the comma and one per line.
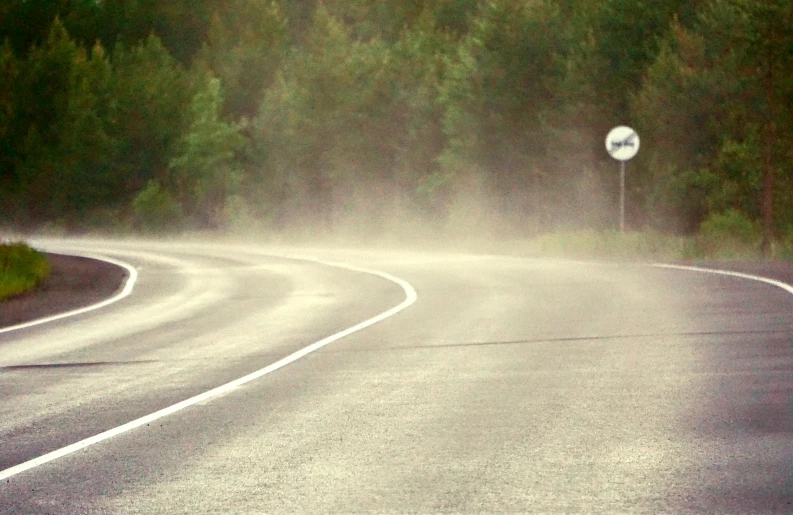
(410,297)
(788,288)
(132,277)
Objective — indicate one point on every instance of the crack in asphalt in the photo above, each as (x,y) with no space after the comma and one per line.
(75,365)
(93,364)
(555,340)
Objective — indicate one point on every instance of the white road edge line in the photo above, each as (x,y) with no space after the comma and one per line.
(132,277)
(410,297)
(788,288)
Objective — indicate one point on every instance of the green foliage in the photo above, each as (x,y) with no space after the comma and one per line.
(332,124)
(676,112)
(716,103)
(738,167)
(729,235)
(497,94)
(151,94)
(389,19)
(460,112)
(182,25)
(675,107)
(503,80)
(612,46)
(786,244)
(9,73)
(417,66)
(27,23)
(753,41)
(156,210)
(204,165)
(21,269)
(244,49)
(61,149)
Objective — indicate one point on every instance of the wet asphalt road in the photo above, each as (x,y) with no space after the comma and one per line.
(510,385)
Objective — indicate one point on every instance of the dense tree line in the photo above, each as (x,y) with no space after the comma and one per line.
(372,113)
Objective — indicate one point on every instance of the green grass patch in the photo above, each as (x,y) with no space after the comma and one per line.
(721,238)
(21,269)
(730,235)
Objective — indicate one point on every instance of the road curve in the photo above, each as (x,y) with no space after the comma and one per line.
(511,385)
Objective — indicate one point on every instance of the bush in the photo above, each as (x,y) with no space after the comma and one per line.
(156,210)
(730,234)
(785,248)
(21,269)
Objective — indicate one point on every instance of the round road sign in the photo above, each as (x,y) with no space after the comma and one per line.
(622,143)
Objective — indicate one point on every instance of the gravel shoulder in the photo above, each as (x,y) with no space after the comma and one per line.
(75,282)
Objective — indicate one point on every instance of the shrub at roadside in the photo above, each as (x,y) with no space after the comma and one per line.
(786,245)
(156,210)
(21,269)
(730,235)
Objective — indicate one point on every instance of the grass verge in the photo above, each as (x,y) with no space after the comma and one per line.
(650,245)
(21,269)
(613,245)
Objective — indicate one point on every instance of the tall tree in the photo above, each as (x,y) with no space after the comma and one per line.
(678,111)
(9,73)
(496,93)
(418,64)
(754,41)
(62,161)
(618,40)
(181,25)
(25,23)
(204,163)
(244,49)
(324,122)
(151,94)
(387,19)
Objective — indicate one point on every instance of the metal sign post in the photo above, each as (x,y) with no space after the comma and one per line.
(622,196)
(622,143)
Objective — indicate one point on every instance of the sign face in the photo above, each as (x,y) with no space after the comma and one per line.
(622,143)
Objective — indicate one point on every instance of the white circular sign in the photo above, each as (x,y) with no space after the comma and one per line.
(622,143)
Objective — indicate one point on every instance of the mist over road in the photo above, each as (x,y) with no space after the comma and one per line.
(510,384)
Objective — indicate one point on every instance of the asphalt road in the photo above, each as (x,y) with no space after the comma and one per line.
(509,385)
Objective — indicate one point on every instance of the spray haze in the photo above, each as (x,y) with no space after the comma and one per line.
(372,120)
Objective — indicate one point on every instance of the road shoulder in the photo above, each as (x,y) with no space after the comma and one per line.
(75,282)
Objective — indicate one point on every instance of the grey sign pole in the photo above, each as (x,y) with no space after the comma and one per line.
(622,196)
(622,143)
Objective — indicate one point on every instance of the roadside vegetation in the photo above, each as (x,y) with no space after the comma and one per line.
(724,236)
(382,117)
(21,269)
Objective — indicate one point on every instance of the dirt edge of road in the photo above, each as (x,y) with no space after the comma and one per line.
(74,282)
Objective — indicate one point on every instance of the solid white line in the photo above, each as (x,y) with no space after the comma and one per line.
(410,297)
(132,277)
(779,284)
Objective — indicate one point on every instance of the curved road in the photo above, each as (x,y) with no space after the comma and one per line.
(510,385)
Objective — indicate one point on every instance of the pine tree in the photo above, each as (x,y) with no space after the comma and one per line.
(204,163)
(63,147)
(151,94)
